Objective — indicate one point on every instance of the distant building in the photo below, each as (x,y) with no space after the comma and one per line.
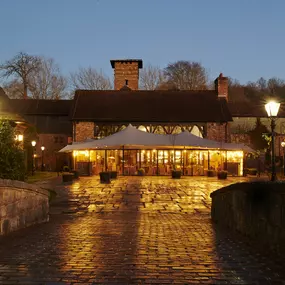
(97,113)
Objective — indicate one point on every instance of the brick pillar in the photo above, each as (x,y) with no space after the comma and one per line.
(126,73)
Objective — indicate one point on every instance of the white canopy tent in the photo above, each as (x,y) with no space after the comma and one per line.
(132,138)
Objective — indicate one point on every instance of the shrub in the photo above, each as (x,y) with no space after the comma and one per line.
(222,174)
(210,173)
(12,161)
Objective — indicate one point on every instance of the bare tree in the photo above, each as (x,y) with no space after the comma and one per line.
(20,66)
(151,77)
(167,85)
(90,79)
(187,75)
(275,86)
(46,82)
(14,89)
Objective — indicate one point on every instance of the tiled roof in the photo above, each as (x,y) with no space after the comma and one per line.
(41,107)
(149,106)
(48,116)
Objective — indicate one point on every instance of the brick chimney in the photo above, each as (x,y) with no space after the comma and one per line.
(221,86)
(126,73)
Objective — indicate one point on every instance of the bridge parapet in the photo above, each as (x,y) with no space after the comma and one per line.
(21,205)
(256,210)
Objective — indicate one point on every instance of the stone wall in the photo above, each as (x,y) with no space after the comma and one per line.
(218,132)
(84,130)
(21,205)
(256,210)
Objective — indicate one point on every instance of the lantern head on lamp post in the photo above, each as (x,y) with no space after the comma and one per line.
(42,148)
(272,109)
(283,147)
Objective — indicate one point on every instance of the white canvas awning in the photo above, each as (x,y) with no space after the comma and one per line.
(132,138)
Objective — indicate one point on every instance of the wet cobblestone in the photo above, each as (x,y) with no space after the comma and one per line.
(134,231)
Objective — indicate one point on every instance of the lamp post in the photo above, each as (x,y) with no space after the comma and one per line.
(42,148)
(272,109)
(33,160)
(283,147)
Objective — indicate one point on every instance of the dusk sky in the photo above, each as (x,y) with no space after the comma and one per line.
(244,39)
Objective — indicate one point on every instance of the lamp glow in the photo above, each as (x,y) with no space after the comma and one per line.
(20,138)
(42,148)
(272,108)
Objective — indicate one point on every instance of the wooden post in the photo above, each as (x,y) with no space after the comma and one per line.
(106,160)
(157,162)
(208,159)
(183,157)
(123,160)
(89,164)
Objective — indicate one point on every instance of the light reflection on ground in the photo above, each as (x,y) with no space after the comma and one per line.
(138,230)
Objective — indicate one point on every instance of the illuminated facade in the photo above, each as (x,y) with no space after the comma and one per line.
(192,162)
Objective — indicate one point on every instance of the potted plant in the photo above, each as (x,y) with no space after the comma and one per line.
(222,174)
(210,173)
(141,172)
(75,174)
(105,177)
(252,171)
(176,174)
(113,174)
(67,177)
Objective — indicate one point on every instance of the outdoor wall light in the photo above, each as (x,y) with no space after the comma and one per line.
(33,143)
(42,148)
(20,138)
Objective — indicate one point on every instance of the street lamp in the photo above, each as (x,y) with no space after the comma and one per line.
(42,148)
(283,147)
(33,160)
(272,109)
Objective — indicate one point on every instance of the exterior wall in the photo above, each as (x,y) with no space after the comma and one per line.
(84,130)
(126,71)
(50,157)
(21,205)
(255,210)
(218,132)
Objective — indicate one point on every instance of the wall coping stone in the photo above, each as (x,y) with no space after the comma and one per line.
(277,187)
(15,184)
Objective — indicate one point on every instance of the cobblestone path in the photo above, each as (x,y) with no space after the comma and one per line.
(137,230)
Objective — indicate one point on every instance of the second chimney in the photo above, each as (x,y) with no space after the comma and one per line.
(221,86)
